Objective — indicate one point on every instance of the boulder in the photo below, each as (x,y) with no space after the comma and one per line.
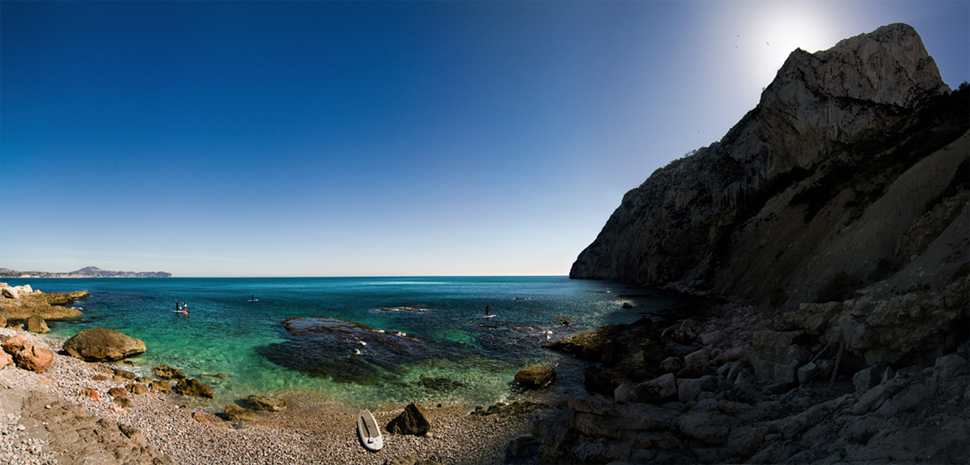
(118,392)
(657,390)
(36,324)
(136,388)
(696,364)
(167,372)
(708,426)
(411,421)
(89,392)
(102,344)
(672,364)
(535,377)
(194,388)
(265,404)
(161,386)
(5,359)
(234,412)
(807,372)
(868,378)
(11,293)
(690,389)
(27,355)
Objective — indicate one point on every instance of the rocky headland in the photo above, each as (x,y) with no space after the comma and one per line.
(20,303)
(832,222)
(86,272)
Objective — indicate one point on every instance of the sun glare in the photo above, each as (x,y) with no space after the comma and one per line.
(782,27)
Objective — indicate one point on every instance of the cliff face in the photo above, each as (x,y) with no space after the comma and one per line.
(830,177)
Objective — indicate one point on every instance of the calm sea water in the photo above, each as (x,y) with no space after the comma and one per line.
(451,352)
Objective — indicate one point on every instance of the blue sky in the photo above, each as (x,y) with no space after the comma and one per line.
(376,138)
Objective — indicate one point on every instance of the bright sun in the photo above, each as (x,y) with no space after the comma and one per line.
(779,29)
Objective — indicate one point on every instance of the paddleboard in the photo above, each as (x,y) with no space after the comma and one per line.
(489,316)
(369,432)
(254,300)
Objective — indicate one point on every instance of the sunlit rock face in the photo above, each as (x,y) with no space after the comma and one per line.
(829,135)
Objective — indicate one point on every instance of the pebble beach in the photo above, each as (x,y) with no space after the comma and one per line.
(45,419)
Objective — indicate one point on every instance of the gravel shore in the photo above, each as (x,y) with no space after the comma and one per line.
(45,419)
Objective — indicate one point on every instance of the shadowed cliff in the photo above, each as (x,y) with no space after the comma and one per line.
(848,151)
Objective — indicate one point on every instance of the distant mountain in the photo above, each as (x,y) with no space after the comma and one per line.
(86,272)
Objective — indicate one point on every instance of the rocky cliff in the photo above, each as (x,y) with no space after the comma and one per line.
(835,217)
(840,159)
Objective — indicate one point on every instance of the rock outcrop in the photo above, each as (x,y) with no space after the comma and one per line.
(805,186)
(759,405)
(21,302)
(102,344)
(835,218)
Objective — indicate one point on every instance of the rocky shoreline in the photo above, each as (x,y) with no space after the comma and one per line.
(733,384)
(47,418)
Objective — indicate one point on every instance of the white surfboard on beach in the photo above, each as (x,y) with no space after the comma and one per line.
(369,432)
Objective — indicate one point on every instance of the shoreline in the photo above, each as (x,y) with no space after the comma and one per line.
(311,429)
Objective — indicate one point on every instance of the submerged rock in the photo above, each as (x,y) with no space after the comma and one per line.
(348,352)
(167,372)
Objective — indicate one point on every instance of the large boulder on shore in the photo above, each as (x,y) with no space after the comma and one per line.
(103,345)
(411,421)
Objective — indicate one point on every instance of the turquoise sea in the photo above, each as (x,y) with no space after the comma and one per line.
(427,338)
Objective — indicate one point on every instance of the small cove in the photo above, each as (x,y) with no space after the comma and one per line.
(424,338)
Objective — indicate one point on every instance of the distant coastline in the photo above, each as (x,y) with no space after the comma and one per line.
(86,272)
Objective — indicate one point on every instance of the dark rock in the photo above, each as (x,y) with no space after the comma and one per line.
(167,372)
(535,377)
(868,378)
(101,344)
(161,386)
(523,447)
(672,364)
(124,374)
(194,388)
(586,346)
(508,410)
(265,404)
(137,388)
(234,412)
(657,390)
(411,421)
(349,352)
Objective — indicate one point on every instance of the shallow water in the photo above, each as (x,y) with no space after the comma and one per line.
(426,339)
